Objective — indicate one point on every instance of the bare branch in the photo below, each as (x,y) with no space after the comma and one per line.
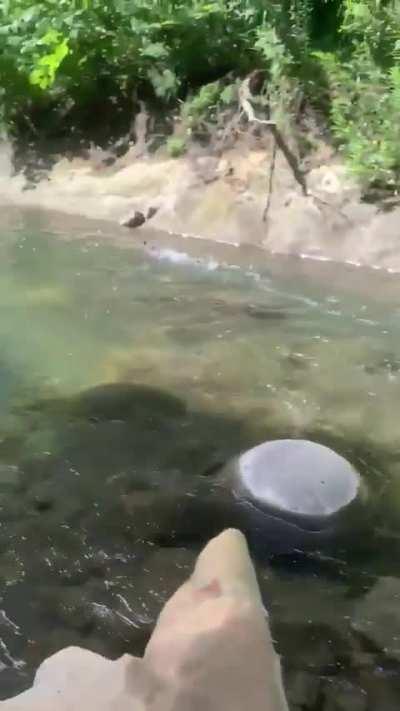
(248,110)
(270,182)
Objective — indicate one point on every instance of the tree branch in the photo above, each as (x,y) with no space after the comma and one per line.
(248,110)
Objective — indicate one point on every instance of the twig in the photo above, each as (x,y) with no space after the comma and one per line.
(280,142)
(291,159)
(247,108)
(270,182)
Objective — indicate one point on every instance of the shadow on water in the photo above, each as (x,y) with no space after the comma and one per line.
(102,519)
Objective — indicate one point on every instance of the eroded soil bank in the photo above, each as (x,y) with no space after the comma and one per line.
(222,199)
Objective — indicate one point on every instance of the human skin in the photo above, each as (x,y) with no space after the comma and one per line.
(211,650)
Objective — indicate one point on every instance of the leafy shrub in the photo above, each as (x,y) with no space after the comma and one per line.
(176,146)
(55,52)
(64,60)
(364,83)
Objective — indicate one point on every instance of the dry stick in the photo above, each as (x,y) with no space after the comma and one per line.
(246,106)
(270,182)
(291,159)
(138,130)
(279,142)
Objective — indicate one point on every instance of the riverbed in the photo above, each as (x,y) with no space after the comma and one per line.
(130,371)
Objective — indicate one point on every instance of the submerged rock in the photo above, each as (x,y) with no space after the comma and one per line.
(123,400)
(299,478)
(341,695)
(297,493)
(377,616)
(266,313)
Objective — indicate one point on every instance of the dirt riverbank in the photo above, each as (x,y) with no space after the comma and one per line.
(222,199)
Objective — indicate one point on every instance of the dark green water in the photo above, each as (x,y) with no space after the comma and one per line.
(124,379)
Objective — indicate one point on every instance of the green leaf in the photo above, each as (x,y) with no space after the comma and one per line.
(208,9)
(176,146)
(165,83)
(229,94)
(202,102)
(47,66)
(51,37)
(29,14)
(155,50)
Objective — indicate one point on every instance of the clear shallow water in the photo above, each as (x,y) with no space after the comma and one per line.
(124,379)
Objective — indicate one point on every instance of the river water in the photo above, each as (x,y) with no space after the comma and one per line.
(126,378)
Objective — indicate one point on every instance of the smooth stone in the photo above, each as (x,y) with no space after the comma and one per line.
(296,492)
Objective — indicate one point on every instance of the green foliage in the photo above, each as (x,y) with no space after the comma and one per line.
(279,89)
(176,146)
(62,51)
(203,109)
(74,48)
(364,83)
(229,94)
(195,108)
(47,66)
(342,54)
